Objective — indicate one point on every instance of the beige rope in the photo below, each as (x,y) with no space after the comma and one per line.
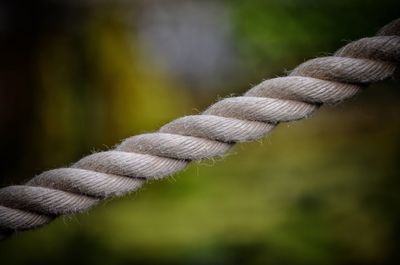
(156,155)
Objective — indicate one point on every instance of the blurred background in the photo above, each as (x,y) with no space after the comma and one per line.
(79,76)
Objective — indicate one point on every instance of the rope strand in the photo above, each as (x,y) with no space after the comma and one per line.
(325,80)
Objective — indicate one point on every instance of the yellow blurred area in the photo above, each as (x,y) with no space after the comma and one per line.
(124,91)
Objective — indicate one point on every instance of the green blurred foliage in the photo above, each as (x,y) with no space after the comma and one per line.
(279,34)
(319,191)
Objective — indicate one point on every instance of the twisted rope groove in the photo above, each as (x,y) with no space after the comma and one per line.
(325,80)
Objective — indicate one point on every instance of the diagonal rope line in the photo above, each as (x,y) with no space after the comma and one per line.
(324,80)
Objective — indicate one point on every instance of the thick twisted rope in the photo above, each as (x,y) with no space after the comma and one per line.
(210,134)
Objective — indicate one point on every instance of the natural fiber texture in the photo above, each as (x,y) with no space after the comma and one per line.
(210,134)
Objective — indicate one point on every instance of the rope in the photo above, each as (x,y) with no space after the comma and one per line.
(325,80)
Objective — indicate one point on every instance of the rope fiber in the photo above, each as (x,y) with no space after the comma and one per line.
(124,169)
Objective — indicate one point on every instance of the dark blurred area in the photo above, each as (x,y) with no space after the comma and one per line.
(80,76)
